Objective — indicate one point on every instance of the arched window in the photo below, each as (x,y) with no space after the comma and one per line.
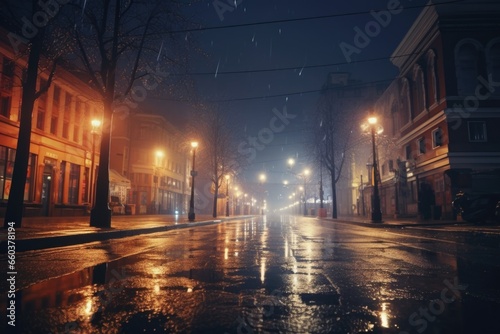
(418,89)
(405,102)
(493,62)
(467,66)
(432,84)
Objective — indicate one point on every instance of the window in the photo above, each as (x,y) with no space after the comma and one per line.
(408,152)
(42,107)
(74,182)
(55,110)
(418,90)
(405,102)
(60,190)
(421,145)
(437,138)
(6,79)
(493,52)
(7,157)
(431,77)
(5,105)
(467,67)
(477,131)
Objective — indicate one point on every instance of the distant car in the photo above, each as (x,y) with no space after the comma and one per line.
(479,208)
(116,205)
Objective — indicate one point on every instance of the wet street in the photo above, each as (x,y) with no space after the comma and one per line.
(266,275)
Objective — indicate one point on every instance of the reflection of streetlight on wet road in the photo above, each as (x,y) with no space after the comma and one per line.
(262,179)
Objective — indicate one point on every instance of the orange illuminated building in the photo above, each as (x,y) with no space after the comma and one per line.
(61,139)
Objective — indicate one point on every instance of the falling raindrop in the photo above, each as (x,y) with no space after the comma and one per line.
(217,69)
(159,52)
(286,99)
(235,4)
(269,86)
(186,38)
(279,31)
(253,38)
(300,73)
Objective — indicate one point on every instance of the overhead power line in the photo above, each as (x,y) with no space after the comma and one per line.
(319,17)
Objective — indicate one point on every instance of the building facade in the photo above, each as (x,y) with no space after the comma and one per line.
(154,155)
(61,140)
(442,114)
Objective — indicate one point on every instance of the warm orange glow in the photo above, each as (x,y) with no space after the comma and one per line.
(262,177)
(372,120)
(194,144)
(96,123)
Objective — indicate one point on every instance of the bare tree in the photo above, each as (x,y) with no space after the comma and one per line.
(118,44)
(218,149)
(42,43)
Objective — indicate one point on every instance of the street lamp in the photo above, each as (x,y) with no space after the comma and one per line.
(227,195)
(95,125)
(376,212)
(191,214)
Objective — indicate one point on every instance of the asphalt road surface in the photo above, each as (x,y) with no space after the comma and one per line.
(266,275)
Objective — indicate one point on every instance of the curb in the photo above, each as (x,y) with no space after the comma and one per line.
(23,245)
(382,225)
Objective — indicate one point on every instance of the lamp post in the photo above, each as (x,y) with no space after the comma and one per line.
(376,212)
(227,195)
(306,172)
(95,125)
(191,214)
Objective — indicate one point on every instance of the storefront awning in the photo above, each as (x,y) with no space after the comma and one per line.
(117,179)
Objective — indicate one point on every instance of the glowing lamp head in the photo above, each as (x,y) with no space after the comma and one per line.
(372,120)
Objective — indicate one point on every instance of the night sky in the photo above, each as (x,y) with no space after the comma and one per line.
(308,35)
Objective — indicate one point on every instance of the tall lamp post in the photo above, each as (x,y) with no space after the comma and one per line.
(95,125)
(376,212)
(191,214)
(227,195)
(306,172)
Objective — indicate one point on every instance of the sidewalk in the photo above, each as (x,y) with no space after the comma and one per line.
(395,223)
(48,232)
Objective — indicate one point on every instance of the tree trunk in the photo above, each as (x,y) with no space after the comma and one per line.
(100,215)
(334,195)
(216,195)
(14,211)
